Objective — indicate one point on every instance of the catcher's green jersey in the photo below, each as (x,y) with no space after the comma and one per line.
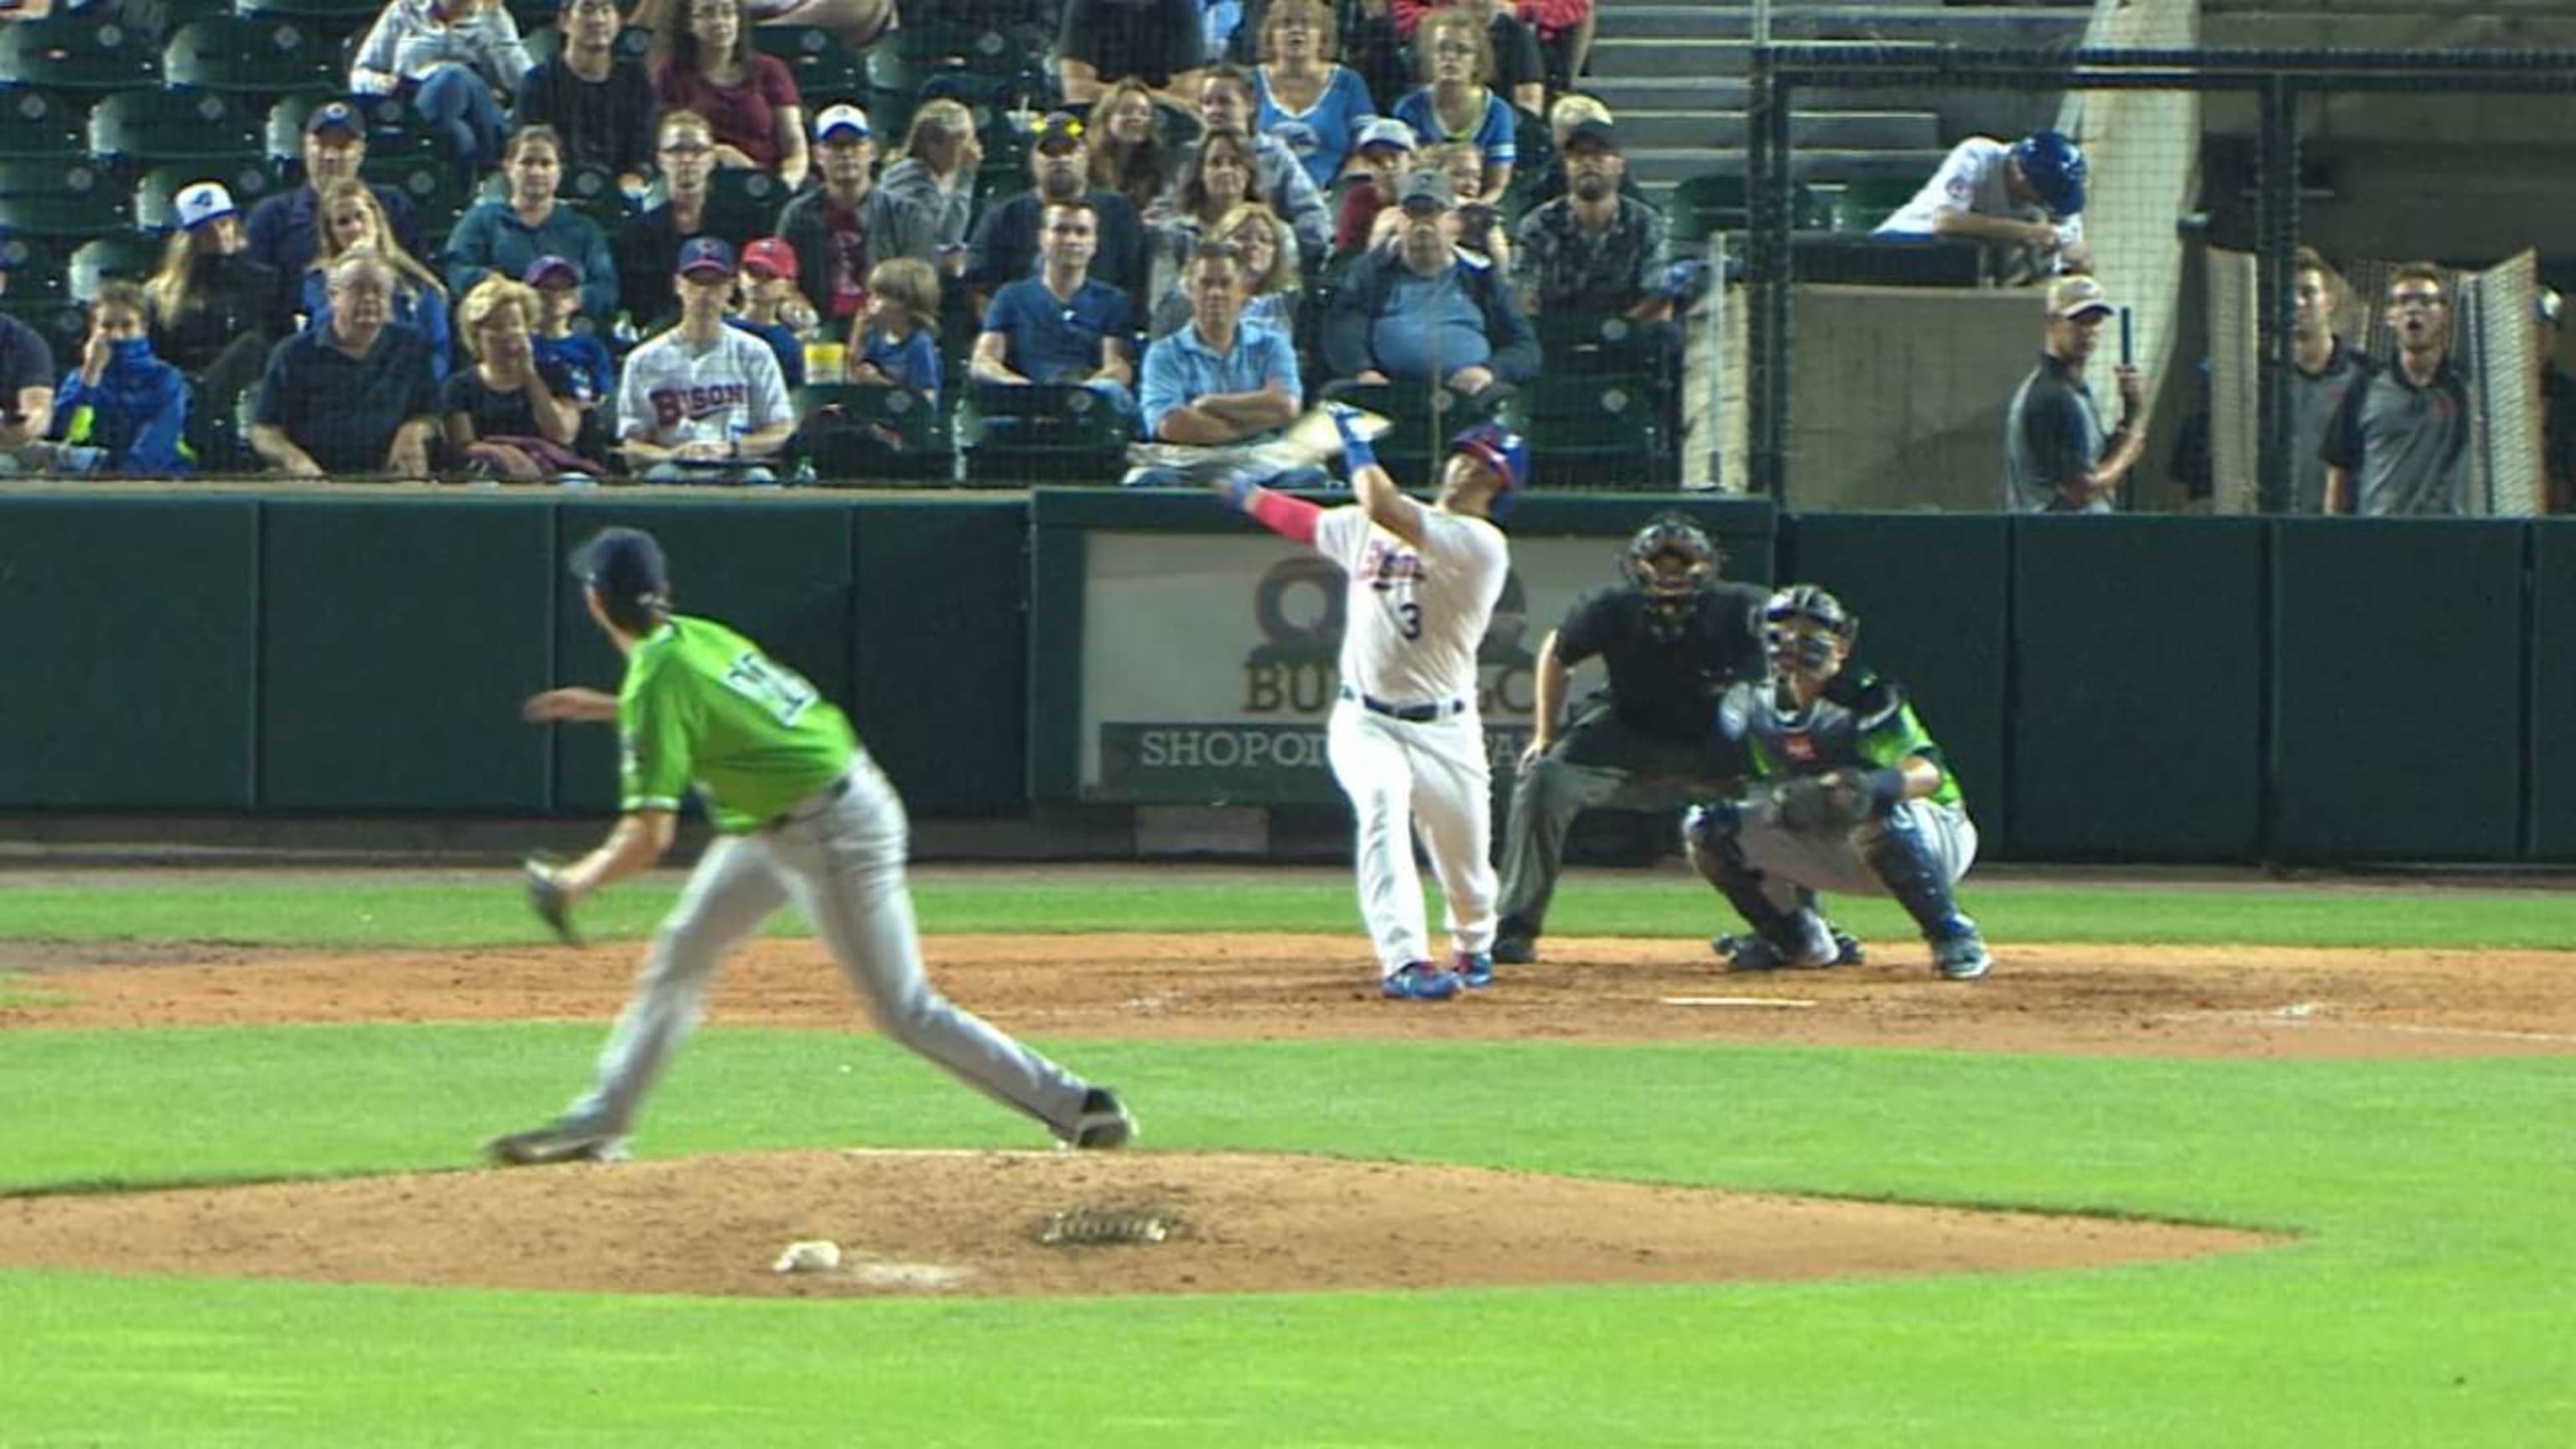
(1862,720)
(701,704)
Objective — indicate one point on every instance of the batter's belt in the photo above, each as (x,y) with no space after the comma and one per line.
(1409,713)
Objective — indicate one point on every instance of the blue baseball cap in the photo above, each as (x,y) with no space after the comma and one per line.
(337,116)
(1504,451)
(2054,166)
(705,254)
(624,564)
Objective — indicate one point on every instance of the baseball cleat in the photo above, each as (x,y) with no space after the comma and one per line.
(1514,950)
(1420,981)
(1960,954)
(1103,1123)
(1848,950)
(1758,953)
(557,1142)
(1475,969)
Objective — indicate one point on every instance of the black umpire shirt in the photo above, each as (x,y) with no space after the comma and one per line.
(1667,689)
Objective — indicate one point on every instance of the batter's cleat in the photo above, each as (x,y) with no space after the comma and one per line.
(557,1142)
(1103,1123)
(1419,981)
(1475,969)
(1959,954)
(1758,953)
(1514,950)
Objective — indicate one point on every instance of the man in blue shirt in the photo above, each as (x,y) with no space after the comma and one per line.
(1217,383)
(1008,241)
(353,396)
(1059,326)
(1422,309)
(282,228)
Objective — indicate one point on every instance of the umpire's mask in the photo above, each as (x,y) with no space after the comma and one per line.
(1669,561)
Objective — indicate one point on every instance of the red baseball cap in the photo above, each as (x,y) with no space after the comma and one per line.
(771,255)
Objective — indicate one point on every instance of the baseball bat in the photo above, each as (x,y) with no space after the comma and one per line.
(2128,339)
(1312,439)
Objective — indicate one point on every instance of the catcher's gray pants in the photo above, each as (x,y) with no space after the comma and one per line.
(1831,860)
(1599,762)
(841,860)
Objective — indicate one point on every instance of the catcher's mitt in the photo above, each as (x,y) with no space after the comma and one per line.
(548,898)
(1837,800)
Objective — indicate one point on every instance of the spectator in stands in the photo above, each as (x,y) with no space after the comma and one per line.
(565,341)
(354,396)
(1563,115)
(2026,196)
(502,237)
(2557,404)
(703,61)
(1158,41)
(352,222)
(1304,96)
(1564,29)
(214,313)
(1062,325)
(122,410)
(1383,159)
(934,173)
(2058,458)
(1512,58)
(282,229)
(2325,368)
(26,388)
(897,342)
(703,402)
(2398,445)
(1216,180)
(1217,381)
(510,415)
(1129,153)
(1476,224)
(686,145)
(1454,101)
(1226,108)
(1008,240)
(770,307)
(1594,250)
(842,228)
(598,101)
(458,62)
(1265,272)
(1420,310)
(857,23)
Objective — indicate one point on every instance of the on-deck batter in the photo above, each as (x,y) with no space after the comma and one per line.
(1404,738)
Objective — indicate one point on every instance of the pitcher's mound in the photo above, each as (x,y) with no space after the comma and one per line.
(1039,1223)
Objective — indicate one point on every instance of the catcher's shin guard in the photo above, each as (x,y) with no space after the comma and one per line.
(1898,854)
(1709,836)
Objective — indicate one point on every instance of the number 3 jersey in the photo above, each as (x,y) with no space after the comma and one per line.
(1414,617)
(702,705)
(1862,720)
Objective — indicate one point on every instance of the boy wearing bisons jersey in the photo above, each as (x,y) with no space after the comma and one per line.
(1850,794)
(703,402)
(1404,739)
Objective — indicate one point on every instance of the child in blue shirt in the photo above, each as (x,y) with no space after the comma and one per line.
(896,338)
(122,410)
(581,354)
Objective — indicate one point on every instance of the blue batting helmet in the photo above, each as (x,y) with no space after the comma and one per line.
(1504,451)
(2054,166)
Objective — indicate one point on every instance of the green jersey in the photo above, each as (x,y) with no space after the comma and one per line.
(1861,721)
(702,705)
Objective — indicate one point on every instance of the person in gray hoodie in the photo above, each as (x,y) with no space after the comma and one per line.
(841,229)
(458,61)
(936,175)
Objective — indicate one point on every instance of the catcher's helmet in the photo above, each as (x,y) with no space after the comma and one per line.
(1504,451)
(2054,166)
(1802,630)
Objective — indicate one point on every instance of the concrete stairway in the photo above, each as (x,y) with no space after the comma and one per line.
(1674,75)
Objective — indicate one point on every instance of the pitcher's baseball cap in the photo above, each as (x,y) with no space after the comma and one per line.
(1426,188)
(772,255)
(705,255)
(2070,297)
(202,203)
(1386,131)
(337,116)
(624,564)
(551,268)
(844,118)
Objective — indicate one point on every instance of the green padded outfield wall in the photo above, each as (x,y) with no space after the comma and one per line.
(2136,688)
(942,650)
(1931,591)
(129,677)
(2397,700)
(2551,824)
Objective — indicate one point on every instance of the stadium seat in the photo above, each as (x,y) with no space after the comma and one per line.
(36,271)
(862,432)
(125,255)
(148,127)
(1864,204)
(253,55)
(72,52)
(62,322)
(593,191)
(1703,204)
(1424,419)
(1017,437)
(1593,432)
(50,199)
(40,124)
(156,191)
(826,69)
(1589,344)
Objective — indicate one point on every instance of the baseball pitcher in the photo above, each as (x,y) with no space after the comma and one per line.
(801,813)
(1404,739)
(1849,794)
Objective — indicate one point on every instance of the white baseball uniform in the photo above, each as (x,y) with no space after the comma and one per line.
(1971,179)
(674,391)
(1404,739)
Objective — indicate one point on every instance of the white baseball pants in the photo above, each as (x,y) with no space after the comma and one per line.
(1402,777)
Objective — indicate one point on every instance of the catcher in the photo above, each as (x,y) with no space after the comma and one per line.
(1670,639)
(1849,794)
(802,814)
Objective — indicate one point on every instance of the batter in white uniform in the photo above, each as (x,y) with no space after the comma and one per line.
(1404,739)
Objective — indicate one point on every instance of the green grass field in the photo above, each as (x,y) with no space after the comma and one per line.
(2423,1301)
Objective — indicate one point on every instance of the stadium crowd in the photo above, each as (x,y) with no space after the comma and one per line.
(718,241)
